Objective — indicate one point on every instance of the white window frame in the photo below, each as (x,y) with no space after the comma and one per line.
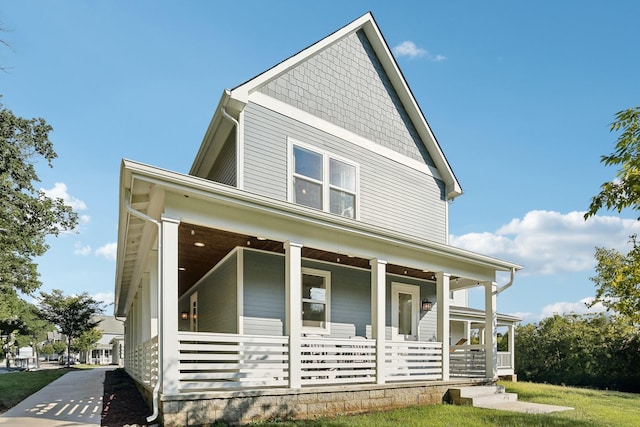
(327,312)
(326,177)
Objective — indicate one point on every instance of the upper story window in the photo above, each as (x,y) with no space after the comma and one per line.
(323,181)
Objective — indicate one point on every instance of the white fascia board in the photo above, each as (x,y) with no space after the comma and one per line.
(302,116)
(208,190)
(403,90)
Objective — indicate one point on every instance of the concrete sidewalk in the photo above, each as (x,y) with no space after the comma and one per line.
(75,399)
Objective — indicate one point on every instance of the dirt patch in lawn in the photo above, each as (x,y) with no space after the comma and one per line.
(122,403)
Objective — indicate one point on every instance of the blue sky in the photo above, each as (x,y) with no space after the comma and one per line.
(519,94)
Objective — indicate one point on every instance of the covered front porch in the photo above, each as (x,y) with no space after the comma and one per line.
(226,292)
(357,321)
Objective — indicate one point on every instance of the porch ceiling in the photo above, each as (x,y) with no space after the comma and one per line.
(194,261)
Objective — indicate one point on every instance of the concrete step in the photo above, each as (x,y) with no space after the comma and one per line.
(480,396)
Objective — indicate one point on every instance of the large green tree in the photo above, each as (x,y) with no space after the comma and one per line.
(27,215)
(73,315)
(624,191)
(87,342)
(617,278)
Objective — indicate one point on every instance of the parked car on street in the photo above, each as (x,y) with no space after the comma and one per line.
(63,360)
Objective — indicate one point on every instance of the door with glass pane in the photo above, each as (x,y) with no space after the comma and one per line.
(405,305)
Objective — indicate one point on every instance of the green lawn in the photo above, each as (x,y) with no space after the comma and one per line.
(16,386)
(592,408)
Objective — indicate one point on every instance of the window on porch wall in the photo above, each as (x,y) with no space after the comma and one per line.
(316,285)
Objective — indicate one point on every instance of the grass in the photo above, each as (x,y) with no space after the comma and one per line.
(16,386)
(592,408)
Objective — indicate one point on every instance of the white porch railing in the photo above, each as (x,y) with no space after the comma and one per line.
(504,360)
(467,361)
(337,361)
(413,361)
(211,361)
(143,362)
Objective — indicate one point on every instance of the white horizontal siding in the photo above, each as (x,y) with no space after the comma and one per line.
(392,195)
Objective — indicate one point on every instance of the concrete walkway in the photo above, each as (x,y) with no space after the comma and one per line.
(75,399)
(526,407)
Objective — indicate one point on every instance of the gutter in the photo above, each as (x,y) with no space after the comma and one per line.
(156,388)
(509,283)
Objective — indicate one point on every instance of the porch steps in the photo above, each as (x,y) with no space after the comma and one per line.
(494,397)
(481,396)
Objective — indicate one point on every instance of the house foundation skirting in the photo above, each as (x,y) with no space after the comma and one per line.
(239,407)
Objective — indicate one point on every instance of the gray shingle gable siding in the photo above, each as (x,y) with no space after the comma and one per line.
(346,85)
(392,195)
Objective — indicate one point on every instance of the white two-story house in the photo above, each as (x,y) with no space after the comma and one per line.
(302,266)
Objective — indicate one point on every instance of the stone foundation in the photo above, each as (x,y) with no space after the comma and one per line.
(240,407)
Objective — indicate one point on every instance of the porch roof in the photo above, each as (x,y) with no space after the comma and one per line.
(474,314)
(154,192)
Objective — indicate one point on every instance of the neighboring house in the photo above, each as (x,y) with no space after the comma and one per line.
(103,353)
(302,267)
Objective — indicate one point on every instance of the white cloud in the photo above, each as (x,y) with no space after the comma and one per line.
(108,251)
(547,242)
(79,249)
(59,191)
(578,307)
(409,49)
(106,298)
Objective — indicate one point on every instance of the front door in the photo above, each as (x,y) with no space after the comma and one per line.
(405,306)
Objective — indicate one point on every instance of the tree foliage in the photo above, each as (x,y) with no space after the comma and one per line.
(73,315)
(27,215)
(87,340)
(589,350)
(617,275)
(617,281)
(624,191)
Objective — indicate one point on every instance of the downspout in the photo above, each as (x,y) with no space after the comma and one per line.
(237,127)
(156,388)
(508,284)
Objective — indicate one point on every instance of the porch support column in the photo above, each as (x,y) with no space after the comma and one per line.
(490,330)
(293,320)
(442,284)
(512,347)
(145,315)
(153,293)
(168,333)
(378,330)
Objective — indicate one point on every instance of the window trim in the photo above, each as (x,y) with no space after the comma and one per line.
(327,313)
(326,176)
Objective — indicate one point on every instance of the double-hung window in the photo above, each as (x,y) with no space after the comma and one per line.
(316,287)
(323,181)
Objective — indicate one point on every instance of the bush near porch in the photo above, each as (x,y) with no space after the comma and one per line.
(582,350)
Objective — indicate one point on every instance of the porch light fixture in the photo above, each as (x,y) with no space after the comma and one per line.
(426,305)
(199,244)
(184,315)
